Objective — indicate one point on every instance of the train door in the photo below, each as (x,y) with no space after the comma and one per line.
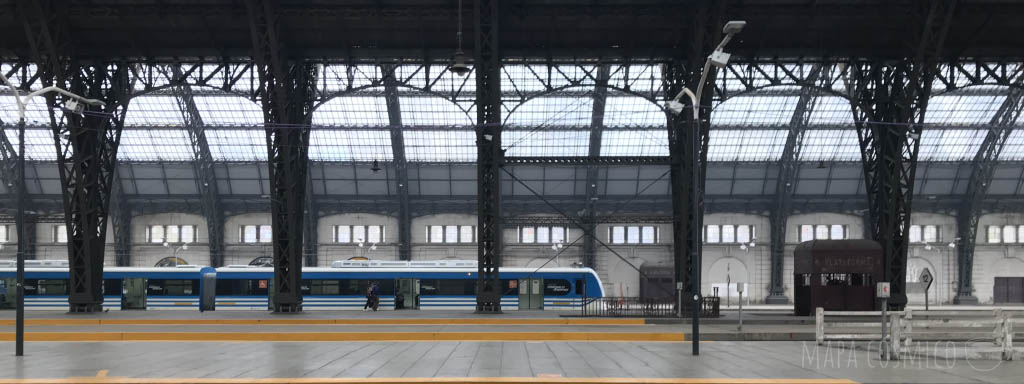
(531,293)
(133,293)
(407,294)
(8,293)
(207,292)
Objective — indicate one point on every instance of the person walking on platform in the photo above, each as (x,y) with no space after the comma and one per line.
(369,297)
(375,290)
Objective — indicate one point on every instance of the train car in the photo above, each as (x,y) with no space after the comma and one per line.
(162,288)
(442,284)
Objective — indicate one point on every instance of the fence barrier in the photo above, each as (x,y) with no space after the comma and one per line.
(904,327)
(645,307)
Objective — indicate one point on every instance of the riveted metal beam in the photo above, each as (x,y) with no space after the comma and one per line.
(890,100)
(400,164)
(982,169)
(202,165)
(487,63)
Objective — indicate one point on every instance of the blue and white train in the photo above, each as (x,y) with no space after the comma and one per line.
(47,285)
(442,284)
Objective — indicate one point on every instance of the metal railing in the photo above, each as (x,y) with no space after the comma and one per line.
(644,307)
(904,327)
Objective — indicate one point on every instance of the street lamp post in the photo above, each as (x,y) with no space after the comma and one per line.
(719,59)
(19,327)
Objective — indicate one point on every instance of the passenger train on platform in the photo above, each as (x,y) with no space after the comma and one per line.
(442,284)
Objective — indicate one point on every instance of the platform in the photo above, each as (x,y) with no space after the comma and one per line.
(436,346)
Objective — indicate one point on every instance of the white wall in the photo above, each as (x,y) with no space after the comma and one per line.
(47,249)
(421,250)
(147,254)
(329,251)
(730,262)
(995,260)
(236,252)
(938,258)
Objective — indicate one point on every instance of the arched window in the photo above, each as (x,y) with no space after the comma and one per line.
(171,262)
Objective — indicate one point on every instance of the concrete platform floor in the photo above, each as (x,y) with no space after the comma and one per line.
(282,361)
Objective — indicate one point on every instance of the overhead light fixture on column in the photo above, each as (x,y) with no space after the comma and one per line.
(376,167)
(459,66)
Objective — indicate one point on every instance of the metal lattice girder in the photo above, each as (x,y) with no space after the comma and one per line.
(687,198)
(596,131)
(400,164)
(310,245)
(589,160)
(8,163)
(487,63)
(890,99)
(121,220)
(202,165)
(287,92)
(789,165)
(982,168)
(87,162)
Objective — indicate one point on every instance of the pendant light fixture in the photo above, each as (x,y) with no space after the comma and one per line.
(459,66)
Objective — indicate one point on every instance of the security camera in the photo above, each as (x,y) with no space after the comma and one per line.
(733,27)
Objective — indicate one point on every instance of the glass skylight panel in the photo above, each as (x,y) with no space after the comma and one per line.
(545,143)
(229,110)
(451,145)
(830,145)
(556,111)
(755,111)
(1013,149)
(350,145)
(634,142)
(238,144)
(36,112)
(432,111)
(950,144)
(962,109)
(831,111)
(154,145)
(353,111)
(633,112)
(39,143)
(746,144)
(148,111)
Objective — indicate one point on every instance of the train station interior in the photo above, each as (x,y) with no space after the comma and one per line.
(517,191)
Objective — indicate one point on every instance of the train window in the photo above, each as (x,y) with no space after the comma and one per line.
(456,287)
(861,280)
(428,287)
(323,287)
(579,286)
(556,287)
(112,287)
(52,287)
(511,287)
(804,280)
(228,287)
(832,279)
(160,287)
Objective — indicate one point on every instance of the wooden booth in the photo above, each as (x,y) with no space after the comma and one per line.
(837,275)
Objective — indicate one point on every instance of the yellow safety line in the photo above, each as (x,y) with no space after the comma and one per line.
(364,321)
(429,380)
(102,373)
(348,336)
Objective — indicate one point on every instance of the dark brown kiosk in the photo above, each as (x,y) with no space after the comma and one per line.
(837,275)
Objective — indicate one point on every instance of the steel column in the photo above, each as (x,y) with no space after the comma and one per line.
(121,220)
(789,166)
(287,93)
(687,153)
(400,164)
(890,99)
(596,130)
(487,60)
(202,165)
(982,169)
(311,230)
